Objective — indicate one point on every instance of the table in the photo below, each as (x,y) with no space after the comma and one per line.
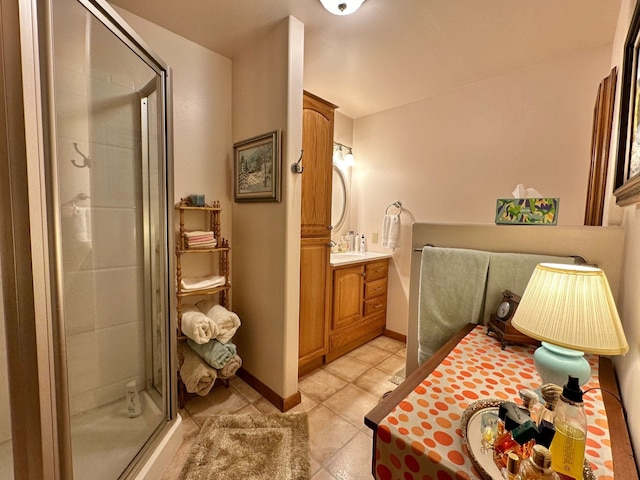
(417,427)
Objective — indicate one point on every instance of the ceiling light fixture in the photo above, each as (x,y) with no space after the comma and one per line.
(342,7)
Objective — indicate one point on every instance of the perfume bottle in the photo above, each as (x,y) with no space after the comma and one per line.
(568,445)
(518,433)
(551,394)
(538,466)
(513,465)
(529,401)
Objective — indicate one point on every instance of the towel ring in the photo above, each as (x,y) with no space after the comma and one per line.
(397,204)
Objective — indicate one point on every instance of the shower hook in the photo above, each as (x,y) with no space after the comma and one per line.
(86,160)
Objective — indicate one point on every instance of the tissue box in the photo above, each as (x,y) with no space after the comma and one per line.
(527,211)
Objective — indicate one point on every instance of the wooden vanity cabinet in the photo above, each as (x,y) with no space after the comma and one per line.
(315,231)
(359,305)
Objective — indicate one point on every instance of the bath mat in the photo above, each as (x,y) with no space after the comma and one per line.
(398,377)
(250,447)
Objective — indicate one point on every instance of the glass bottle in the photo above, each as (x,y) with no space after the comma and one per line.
(551,394)
(513,465)
(537,466)
(529,400)
(569,441)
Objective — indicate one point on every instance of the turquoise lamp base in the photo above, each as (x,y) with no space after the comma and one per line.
(555,364)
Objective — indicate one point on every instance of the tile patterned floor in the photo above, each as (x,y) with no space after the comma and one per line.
(336,398)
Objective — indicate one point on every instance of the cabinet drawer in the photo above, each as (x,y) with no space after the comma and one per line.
(376,270)
(375,288)
(351,334)
(375,305)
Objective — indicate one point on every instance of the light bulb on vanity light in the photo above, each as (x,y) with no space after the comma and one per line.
(342,7)
(338,156)
(348,158)
(570,309)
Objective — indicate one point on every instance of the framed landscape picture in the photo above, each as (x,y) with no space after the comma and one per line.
(257,166)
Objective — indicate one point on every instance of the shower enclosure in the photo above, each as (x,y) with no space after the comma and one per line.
(105,191)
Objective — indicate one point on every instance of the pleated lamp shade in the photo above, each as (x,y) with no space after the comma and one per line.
(571,306)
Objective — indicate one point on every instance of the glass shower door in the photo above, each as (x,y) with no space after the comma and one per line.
(111,189)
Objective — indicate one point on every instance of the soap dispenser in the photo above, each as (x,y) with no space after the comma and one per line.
(363,246)
(568,444)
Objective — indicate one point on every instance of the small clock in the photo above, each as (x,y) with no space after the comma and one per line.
(508,305)
(500,322)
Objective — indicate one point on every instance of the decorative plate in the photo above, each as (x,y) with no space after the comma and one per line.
(481,457)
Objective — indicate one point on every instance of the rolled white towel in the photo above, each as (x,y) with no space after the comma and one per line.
(197,326)
(227,321)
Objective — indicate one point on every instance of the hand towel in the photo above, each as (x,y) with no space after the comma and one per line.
(201,283)
(82,223)
(197,376)
(213,352)
(197,326)
(230,368)
(390,231)
(227,321)
(512,271)
(451,294)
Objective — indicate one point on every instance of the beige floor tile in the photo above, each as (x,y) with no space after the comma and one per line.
(368,354)
(244,389)
(321,384)
(402,352)
(323,475)
(392,364)
(386,343)
(375,381)
(249,410)
(220,400)
(352,404)
(328,433)
(353,461)
(265,406)
(306,405)
(315,466)
(348,368)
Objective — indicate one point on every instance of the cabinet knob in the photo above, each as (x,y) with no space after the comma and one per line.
(329,227)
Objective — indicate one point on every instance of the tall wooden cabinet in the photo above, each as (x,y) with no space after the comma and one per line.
(315,231)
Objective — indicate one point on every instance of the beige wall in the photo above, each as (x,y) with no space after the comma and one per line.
(627,367)
(267,95)
(449,157)
(201,115)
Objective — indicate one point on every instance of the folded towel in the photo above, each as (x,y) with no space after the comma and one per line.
(198,234)
(227,321)
(512,271)
(214,353)
(200,239)
(197,326)
(452,285)
(390,231)
(201,283)
(230,368)
(197,376)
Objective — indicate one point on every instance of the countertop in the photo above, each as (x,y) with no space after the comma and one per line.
(348,258)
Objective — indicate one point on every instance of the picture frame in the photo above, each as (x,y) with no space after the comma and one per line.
(600,141)
(627,176)
(257,168)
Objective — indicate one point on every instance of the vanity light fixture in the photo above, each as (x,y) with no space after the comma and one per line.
(339,156)
(341,7)
(570,309)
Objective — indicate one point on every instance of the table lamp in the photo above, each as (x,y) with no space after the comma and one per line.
(570,309)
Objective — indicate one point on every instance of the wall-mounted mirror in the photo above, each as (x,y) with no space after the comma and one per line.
(338,198)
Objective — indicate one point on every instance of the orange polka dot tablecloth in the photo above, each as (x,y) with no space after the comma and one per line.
(421,437)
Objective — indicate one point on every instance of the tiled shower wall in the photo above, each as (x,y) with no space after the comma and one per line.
(103,305)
